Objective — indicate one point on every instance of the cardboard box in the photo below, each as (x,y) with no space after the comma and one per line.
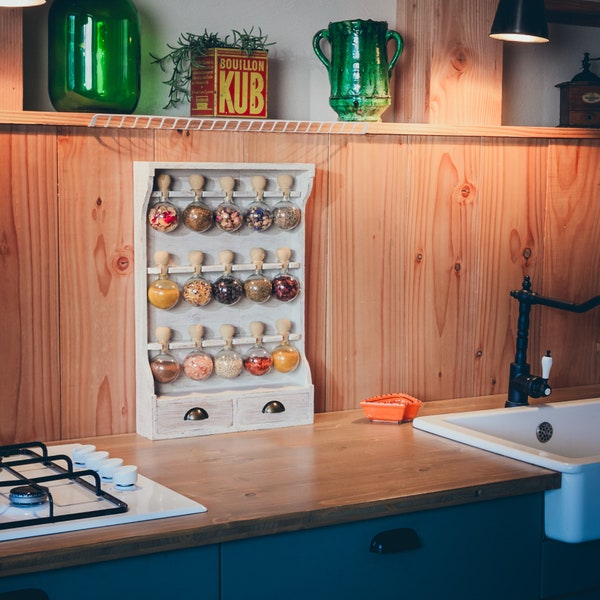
(230,83)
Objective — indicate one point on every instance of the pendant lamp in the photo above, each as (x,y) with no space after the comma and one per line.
(20,3)
(520,21)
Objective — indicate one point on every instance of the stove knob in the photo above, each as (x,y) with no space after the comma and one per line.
(94,459)
(125,477)
(108,468)
(80,452)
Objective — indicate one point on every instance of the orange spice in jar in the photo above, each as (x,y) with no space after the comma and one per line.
(163,292)
(285,357)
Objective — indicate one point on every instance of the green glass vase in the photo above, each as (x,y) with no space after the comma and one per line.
(359,71)
(94,56)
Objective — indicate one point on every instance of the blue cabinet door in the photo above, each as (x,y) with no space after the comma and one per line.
(192,573)
(485,550)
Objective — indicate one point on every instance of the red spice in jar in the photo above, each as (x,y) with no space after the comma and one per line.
(285,287)
(258,365)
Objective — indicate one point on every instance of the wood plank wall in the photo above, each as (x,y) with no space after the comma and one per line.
(11,58)
(450,71)
(413,246)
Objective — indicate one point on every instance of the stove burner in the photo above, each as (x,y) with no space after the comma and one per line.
(27,495)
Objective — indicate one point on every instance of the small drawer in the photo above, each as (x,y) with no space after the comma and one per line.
(589,118)
(172,422)
(274,409)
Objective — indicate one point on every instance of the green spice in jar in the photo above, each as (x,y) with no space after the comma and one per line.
(258,288)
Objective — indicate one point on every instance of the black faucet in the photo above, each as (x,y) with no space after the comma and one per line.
(522,384)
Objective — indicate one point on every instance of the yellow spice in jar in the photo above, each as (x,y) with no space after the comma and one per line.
(285,358)
(163,293)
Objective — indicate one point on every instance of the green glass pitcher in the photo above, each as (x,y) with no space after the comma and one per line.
(359,72)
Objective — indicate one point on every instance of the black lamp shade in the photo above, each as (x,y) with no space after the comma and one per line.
(520,21)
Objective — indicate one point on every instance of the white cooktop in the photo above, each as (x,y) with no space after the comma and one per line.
(146,500)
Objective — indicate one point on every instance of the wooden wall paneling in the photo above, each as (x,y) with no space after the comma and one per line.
(512,191)
(572,261)
(366,341)
(29,353)
(440,289)
(96,278)
(311,148)
(11,58)
(199,146)
(451,71)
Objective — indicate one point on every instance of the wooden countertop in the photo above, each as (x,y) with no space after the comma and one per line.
(341,469)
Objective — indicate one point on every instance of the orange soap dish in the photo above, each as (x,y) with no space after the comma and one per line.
(398,408)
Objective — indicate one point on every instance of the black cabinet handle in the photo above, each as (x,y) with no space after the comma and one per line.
(273,407)
(195,414)
(395,540)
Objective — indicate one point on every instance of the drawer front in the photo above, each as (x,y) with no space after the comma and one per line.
(458,552)
(171,421)
(274,409)
(590,118)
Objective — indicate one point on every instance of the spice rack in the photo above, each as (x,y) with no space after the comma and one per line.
(187,407)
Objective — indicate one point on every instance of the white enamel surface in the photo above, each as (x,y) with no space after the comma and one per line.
(146,500)
(512,432)
(571,512)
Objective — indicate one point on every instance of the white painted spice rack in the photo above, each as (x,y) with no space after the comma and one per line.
(248,401)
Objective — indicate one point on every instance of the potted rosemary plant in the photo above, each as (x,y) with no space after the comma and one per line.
(223,77)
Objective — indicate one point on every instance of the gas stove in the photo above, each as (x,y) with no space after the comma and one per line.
(55,489)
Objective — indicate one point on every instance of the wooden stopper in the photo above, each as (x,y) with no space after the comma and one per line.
(283,256)
(196,334)
(257,328)
(285,184)
(257,256)
(196,258)
(164,183)
(161,258)
(283,327)
(197,184)
(227,332)
(226,257)
(163,334)
(259,183)
(227,185)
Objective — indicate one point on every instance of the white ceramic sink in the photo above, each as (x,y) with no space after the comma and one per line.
(562,436)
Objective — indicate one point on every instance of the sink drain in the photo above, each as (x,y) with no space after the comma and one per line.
(544,432)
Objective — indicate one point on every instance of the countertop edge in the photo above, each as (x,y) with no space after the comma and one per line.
(493,477)
(182,533)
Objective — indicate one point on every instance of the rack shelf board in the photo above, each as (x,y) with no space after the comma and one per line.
(158,122)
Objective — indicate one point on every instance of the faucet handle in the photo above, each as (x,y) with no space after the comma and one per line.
(546,365)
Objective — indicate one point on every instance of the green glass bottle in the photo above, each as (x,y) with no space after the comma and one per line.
(94,56)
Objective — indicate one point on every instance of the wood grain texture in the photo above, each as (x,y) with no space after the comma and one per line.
(11,59)
(572,260)
(442,270)
(96,279)
(29,303)
(451,71)
(366,259)
(511,245)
